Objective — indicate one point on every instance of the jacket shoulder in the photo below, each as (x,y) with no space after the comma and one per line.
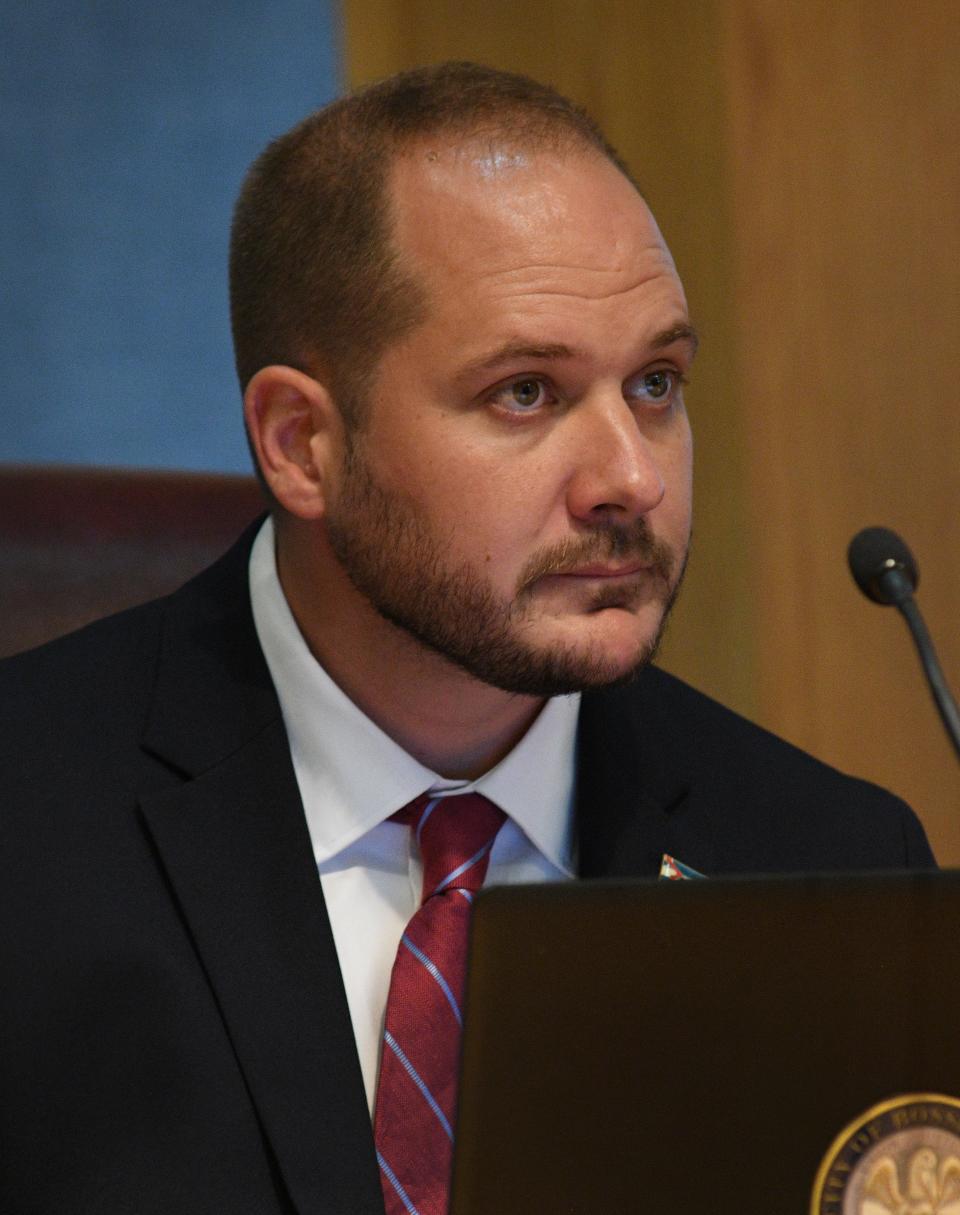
(767,803)
(708,736)
(70,686)
(78,697)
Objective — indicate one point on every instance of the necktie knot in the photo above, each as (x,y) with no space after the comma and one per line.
(454,834)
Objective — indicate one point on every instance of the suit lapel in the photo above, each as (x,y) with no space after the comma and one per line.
(234,843)
(635,798)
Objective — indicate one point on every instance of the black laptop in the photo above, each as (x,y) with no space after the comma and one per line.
(713,1047)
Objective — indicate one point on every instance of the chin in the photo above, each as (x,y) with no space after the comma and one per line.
(614,652)
(603,666)
(614,636)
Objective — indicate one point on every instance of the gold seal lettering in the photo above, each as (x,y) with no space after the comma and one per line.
(901,1157)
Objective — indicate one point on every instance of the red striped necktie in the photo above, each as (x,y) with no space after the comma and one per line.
(417,1088)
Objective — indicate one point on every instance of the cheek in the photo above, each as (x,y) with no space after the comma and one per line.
(498,522)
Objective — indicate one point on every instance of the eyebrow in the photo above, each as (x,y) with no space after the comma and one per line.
(683,332)
(517,350)
(510,351)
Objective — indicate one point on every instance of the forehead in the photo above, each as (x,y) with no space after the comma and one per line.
(486,219)
(518,248)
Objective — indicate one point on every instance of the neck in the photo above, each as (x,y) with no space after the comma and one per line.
(445,718)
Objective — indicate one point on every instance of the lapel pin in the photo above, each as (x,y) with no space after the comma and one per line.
(676,871)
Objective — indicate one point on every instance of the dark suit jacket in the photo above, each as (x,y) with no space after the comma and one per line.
(174,1035)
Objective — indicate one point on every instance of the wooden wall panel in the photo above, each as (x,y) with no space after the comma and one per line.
(802,161)
(843,145)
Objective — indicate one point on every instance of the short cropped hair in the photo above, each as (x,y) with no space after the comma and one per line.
(315,281)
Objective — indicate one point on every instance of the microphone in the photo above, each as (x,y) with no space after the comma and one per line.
(885,570)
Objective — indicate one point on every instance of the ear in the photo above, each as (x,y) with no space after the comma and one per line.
(295,431)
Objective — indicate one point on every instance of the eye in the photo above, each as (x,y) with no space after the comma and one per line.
(522,395)
(660,385)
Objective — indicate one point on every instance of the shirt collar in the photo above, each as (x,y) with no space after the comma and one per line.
(352,775)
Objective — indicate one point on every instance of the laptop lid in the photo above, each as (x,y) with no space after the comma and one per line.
(705,1047)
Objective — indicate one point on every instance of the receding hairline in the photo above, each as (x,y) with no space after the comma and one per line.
(502,142)
(417,154)
(347,153)
(511,152)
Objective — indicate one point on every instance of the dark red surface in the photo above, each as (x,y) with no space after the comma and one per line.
(103,504)
(78,543)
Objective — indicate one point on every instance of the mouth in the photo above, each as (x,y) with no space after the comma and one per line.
(606,572)
(609,560)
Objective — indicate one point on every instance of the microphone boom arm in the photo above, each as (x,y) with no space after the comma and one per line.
(942,696)
(885,571)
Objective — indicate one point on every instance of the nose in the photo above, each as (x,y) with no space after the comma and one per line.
(617,475)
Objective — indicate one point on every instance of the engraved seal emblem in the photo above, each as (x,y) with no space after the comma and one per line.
(901,1157)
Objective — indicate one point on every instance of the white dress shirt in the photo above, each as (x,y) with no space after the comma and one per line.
(353,777)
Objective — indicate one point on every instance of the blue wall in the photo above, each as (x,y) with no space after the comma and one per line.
(125,129)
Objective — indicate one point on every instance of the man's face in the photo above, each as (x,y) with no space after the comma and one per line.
(518,497)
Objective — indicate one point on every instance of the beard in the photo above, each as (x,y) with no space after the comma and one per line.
(401,565)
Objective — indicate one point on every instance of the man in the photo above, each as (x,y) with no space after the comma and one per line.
(463,345)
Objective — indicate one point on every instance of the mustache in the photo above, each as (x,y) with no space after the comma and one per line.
(605,543)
